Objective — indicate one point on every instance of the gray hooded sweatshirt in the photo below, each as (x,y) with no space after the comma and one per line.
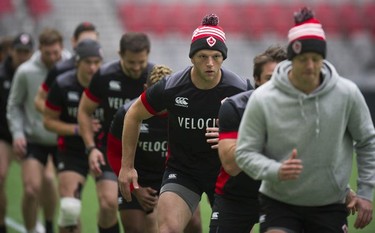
(24,120)
(324,126)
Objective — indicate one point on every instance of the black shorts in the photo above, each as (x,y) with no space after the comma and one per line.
(187,187)
(290,218)
(134,204)
(41,153)
(229,216)
(78,162)
(7,137)
(73,161)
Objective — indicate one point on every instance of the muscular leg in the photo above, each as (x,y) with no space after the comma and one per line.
(70,185)
(6,154)
(195,223)
(49,196)
(107,197)
(32,175)
(133,220)
(174,214)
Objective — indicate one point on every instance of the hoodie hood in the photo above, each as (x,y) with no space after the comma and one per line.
(281,81)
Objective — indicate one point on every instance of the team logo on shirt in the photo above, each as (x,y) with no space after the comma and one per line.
(215,216)
(144,128)
(73,96)
(172,176)
(181,101)
(115,85)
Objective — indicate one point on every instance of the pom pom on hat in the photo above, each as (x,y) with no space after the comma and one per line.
(306,36)
(209,36)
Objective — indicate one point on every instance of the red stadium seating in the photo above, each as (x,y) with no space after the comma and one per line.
(350,19)
(38,8)
(253,19)
(6,6)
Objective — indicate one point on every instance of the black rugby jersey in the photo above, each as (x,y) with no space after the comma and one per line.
(59,68)
(151,149)
(241,186)
(64,97)
(111,89)
(191,111)
(6,78)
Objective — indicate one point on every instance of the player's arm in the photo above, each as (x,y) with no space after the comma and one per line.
(52,122)
(40,99)
(227,149)
(85,110)
(130,134)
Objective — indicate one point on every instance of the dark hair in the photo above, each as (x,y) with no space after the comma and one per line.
(272,54)
(83,27)
(50,36)
(134,42)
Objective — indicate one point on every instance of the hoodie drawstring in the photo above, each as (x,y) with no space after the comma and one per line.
(317,121)
(303,114)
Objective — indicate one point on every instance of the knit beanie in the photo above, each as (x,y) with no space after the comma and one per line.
(208,36)
(306,36)
(88,48)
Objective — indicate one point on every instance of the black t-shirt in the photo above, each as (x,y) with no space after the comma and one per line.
(152,144)
(191,111)
(60,68)
(64,96)
(6,78)
(111,89)
(240,186)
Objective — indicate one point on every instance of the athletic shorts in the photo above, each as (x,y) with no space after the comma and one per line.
(6,137)
(229,216)
(73,161)
(134,204)
(187,187)
(292,219)
(78,162)
(41,153)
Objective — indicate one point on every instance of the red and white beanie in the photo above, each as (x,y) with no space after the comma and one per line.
(208,36)
(306,36)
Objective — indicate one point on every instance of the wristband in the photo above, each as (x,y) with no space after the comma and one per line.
(89,149)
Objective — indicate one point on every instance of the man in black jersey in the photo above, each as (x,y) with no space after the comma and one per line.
(192,98)
(113,85)
(22,47)
(140,215)
(84,30)
(60,116)
(236,195)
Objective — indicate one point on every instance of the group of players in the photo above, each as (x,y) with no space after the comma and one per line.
(155,140)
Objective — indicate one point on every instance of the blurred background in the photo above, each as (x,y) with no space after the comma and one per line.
(250,26)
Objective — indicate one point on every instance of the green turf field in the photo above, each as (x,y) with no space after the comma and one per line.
(14,191)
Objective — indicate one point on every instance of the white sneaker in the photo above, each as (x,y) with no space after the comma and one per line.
(39,227)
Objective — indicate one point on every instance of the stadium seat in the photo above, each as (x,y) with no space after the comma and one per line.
(253,20)
(279,18)
(350,19)
(38,8)
(6,6)
(369,17)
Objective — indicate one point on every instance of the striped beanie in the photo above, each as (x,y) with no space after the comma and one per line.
(306,36)
(208,36)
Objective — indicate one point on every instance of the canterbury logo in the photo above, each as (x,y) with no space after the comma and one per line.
(182,101)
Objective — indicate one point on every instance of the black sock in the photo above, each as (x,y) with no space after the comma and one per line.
(113,229)
(49,226)
(3,229)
